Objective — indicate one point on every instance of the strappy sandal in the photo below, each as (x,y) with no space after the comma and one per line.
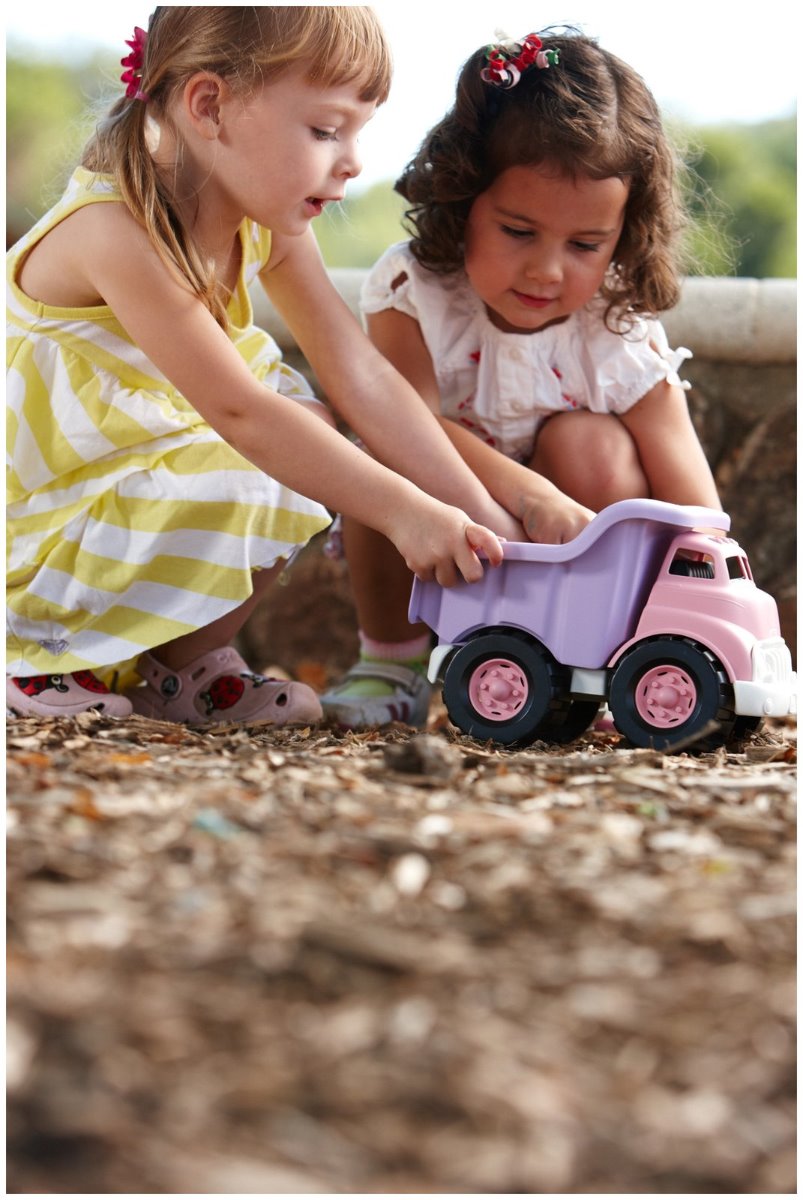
(63,696)
(408,701)
(217,688)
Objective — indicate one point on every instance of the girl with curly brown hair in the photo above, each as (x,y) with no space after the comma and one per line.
(546,216)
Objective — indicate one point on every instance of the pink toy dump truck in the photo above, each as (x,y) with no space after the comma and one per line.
(650,608)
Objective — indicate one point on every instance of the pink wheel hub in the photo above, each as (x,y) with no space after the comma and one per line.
(498,689)
(665,696)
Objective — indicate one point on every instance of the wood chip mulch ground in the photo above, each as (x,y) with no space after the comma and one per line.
(254,961)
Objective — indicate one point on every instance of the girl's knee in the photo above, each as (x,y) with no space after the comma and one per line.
(590,456)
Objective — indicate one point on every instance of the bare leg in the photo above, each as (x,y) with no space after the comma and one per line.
(388,683)
(591,457)
(183,650)
(381,583)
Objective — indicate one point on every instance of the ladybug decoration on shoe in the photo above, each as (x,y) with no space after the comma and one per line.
(223,692)
(63,695)
(90,682)
(34,685)
(226,690)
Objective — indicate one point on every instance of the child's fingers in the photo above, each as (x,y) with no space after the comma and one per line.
(452,561)
(471,567)
(482,540)
(478,541)
(447,575)
(464,564)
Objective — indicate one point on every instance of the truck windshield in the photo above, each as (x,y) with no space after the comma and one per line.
(693,564)
(738,567)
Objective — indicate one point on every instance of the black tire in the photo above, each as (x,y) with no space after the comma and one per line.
(544,685)
(710,719)
(569,721)
(745,727)
(740,731)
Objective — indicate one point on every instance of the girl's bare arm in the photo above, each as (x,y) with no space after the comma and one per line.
(371,391)
(545,513)
(161,315)
(671,455)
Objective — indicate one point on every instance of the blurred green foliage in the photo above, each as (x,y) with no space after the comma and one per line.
(356,232)
(48,119)
(743,200)
(742,195)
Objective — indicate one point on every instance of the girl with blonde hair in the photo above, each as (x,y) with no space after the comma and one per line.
(164,462)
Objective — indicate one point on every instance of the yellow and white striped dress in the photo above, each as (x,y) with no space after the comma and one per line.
(130,520)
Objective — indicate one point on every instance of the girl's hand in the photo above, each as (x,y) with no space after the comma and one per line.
(440,542)
(554,518)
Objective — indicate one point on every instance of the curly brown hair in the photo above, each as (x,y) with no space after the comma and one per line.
(591,115)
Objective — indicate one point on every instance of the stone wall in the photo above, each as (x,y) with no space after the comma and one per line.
(742,333)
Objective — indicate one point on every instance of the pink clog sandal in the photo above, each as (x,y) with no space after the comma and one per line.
(219,687)
(63,696)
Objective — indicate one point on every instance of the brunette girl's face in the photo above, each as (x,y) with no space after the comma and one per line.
(538,244)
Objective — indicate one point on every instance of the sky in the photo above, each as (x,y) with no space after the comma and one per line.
(706,61)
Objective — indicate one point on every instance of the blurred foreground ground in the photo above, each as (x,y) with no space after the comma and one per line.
(309,961)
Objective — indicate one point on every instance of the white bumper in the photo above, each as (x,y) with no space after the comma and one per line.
(436,659)
(772,692)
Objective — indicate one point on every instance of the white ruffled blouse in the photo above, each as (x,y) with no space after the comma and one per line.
(503,386)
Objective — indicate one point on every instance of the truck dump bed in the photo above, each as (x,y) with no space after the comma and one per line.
(582,599)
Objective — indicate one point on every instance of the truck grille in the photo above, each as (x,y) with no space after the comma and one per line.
(772,662)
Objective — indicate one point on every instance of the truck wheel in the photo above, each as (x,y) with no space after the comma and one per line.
(569,721)
(668,691)
(502,687)
(745,727)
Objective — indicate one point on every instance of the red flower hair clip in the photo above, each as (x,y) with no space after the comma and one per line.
(506,62)
(132,76)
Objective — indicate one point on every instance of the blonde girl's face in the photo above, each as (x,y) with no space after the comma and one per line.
(287,151)
(538,244)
